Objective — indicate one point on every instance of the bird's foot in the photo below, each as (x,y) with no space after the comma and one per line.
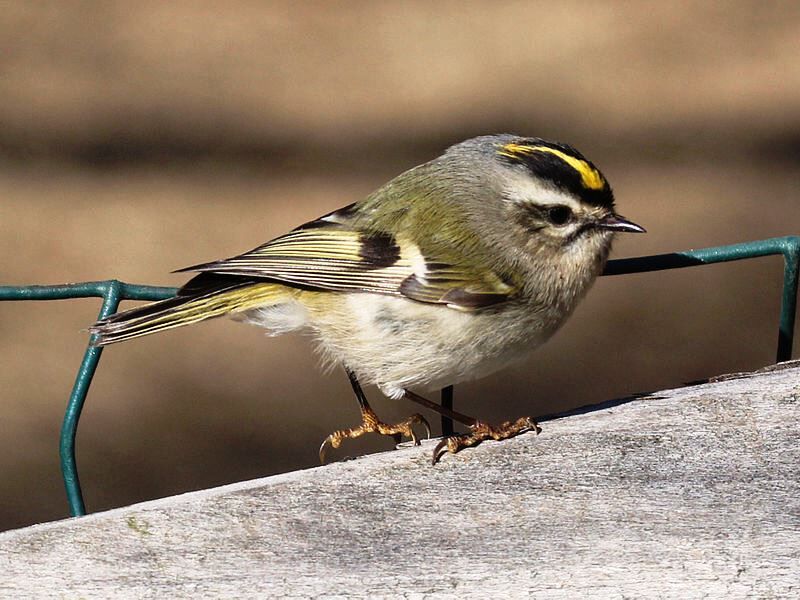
(371,424)
(482,431)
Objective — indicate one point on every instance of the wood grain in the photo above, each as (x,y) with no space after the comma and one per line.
(688,493)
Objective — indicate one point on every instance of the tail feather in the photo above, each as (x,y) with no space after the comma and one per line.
(191,305)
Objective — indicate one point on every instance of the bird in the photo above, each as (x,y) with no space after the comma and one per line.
(451,271)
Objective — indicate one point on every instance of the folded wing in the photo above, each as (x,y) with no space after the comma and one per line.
(328,255)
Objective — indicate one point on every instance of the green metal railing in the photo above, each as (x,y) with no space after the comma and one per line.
(113,292)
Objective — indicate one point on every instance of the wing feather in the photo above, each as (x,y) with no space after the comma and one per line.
(328,255)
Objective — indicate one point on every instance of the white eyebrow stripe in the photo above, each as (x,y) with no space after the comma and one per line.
(524,190)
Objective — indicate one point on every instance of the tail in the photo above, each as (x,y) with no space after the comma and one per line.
(206,296)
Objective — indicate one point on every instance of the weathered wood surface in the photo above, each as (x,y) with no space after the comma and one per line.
(691,493)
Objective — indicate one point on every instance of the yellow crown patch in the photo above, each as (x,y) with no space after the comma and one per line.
(590,177)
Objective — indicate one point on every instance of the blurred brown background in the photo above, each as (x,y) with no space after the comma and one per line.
(136,138)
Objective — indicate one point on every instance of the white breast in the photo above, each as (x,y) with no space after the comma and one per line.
(397,343)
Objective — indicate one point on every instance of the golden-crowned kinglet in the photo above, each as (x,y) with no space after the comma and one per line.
(447,273)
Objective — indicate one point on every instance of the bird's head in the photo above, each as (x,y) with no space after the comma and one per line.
(552,198)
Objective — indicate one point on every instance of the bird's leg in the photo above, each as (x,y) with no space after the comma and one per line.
(371,424)
(442,410)
(478,432)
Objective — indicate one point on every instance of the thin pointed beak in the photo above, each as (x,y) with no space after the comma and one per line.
(614,222)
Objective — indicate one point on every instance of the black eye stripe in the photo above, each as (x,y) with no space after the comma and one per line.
(555,214)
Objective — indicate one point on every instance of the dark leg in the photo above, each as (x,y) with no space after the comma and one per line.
(447,402)
(479,431)
(442,410)
(371,424)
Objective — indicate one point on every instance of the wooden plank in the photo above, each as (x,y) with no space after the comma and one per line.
(689,493)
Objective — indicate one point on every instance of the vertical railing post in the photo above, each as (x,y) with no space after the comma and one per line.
(69,427)
(791,256)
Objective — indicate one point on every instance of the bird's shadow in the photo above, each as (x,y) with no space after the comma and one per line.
(589,408)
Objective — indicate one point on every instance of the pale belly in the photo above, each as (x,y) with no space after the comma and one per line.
(397,343)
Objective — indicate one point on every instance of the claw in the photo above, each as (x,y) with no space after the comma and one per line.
(323,450)
(419,419)
(437,452)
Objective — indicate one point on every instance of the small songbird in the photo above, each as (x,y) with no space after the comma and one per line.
(449,272)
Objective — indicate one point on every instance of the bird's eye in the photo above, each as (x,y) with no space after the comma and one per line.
(559,215)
